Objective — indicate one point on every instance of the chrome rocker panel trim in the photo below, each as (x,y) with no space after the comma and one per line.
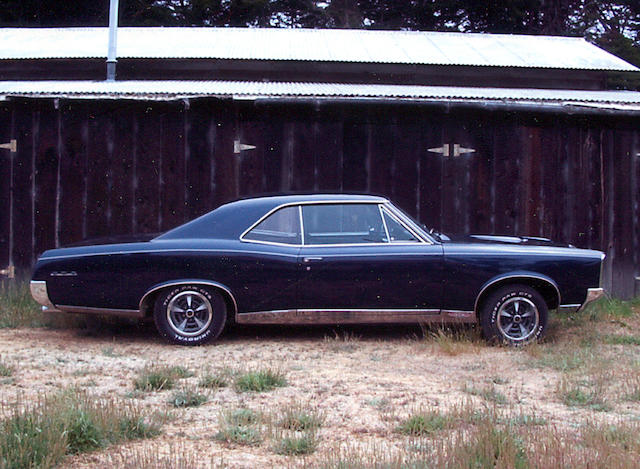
(126,313)
(354,316)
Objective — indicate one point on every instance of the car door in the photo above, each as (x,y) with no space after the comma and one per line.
(359,256)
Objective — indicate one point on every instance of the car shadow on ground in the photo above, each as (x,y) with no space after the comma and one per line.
(145,331)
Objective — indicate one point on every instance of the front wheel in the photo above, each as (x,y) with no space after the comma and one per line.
(189,314)
(514,315)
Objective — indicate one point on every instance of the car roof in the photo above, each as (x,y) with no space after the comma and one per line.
(230,220)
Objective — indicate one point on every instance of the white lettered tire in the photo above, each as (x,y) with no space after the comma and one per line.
(514,315)
(190,314)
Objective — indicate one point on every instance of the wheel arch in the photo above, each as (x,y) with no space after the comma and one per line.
(541,283)
(148,299)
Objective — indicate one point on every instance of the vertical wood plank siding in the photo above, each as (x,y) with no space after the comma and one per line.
(88,169)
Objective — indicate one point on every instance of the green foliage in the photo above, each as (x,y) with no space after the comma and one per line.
(296,445)
(17,307)
(298,418)
(67,423)
(187,398)
(160,378)
(260,380)
(424,423)
(6,370)
(583,394)
(240,426)
(616,339)
(213,381)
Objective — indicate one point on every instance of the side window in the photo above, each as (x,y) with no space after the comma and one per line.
(282,226)
(397,232)
(343,224)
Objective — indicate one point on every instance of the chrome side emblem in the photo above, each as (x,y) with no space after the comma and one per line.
(64,274)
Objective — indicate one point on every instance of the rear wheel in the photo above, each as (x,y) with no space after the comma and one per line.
(190,314)
(514,315)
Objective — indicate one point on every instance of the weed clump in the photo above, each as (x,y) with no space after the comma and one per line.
(260,381)
(160,378)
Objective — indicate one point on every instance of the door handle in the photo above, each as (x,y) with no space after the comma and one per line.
(306,260)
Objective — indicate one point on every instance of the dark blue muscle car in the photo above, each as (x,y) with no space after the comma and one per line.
(319,259)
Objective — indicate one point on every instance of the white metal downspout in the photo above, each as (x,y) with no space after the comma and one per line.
(113,39)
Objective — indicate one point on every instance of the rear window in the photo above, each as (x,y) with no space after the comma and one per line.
(282,226)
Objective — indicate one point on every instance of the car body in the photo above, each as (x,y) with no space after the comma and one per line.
(319,259)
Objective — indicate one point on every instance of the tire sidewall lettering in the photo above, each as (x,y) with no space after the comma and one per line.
(217,322)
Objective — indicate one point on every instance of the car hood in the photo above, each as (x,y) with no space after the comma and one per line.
(498,239)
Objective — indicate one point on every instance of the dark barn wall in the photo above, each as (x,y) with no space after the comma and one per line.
(87,169)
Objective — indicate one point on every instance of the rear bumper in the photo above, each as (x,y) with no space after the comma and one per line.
(593,294)
(41,295)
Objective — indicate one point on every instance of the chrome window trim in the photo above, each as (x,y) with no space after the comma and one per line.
(384,223)
(395,218)
(398,216)
(408,223)
(301,225)
(339,245)
(264,217)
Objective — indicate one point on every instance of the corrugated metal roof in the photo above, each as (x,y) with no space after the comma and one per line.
(171,90)
(337,45)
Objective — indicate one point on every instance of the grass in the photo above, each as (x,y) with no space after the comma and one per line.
(214,381)
(610,308)
(159,378)
(296,432)
(452,340)
(297,445)
(423,423)
(260,380)
(188,397)
(17,307)
(617,339)
(497,441)
(155,456)
(240,426)
(6,370)
(576,393)
(297,417)
(70,422)
(489,393)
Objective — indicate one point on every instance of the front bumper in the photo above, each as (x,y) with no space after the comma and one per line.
(593,294)
(41,295)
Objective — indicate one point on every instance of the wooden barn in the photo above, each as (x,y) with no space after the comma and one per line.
(467,132)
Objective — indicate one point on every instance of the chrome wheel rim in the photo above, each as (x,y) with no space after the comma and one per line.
(189,313)
(518,319)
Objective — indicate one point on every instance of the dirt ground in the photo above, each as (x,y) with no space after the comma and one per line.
(362,380)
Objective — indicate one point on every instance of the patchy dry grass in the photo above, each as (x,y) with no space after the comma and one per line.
(385,397)
(215,380)
(17,307)
(69,422)
(188,397)
(489,393)
(241,426)
(159,378)
(260,380)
